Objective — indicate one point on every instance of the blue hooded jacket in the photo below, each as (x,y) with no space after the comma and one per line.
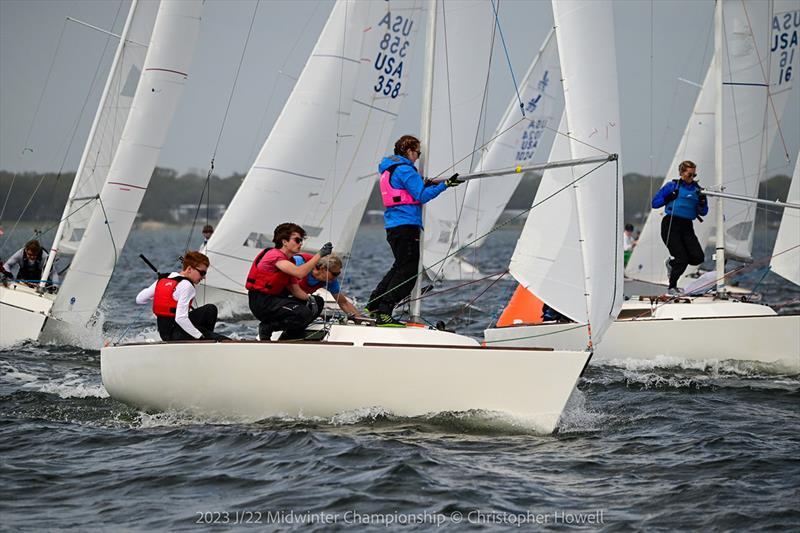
(406,177)
(687,205)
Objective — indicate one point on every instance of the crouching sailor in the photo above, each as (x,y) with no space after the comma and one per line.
(274,295)
(325,275)
(173,297)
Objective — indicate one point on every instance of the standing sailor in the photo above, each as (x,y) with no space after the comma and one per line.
(173,297)
(403,192)
(684,201)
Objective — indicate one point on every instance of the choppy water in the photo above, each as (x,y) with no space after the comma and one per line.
(639,446)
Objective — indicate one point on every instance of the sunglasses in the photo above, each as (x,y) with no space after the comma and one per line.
(298,240)
(334,274)
(201,272)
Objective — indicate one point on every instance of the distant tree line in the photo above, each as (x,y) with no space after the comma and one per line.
(41,197)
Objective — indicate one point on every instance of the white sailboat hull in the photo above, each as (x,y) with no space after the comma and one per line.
(22,313)
(719,331)
(408,372)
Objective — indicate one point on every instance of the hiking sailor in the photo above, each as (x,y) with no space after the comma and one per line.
(273,290)
(173,297)
(30,259)
(403,192)
(684,201)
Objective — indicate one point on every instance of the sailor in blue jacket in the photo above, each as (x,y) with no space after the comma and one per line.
(684,201)
(403,192)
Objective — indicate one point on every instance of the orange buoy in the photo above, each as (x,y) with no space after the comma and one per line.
(523,308)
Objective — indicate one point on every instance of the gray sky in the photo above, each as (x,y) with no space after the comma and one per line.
(284,34)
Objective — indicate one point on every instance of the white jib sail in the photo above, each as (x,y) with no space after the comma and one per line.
(157,95)
(463,48)
(319,163)
(786,254)
(697,145)
(518,141)
(570,253)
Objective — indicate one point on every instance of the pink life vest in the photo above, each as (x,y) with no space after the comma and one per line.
(391,196)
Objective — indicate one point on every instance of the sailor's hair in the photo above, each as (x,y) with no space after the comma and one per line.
(284,232)
(194,260)
(33,246)
(406,143)
(329,261)
(686,164)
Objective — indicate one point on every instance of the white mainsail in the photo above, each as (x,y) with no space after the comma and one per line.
(517,141)
(570,250)
(786,254)
(461,64)
(757,84)
(318,165)
(160,87)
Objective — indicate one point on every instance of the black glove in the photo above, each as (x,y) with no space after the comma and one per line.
(427,182)
(703,199)
(326,249)
(453,181)
(671,197)
(311,303)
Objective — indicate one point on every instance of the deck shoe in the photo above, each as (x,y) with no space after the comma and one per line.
(386,320)
(264,333)
(672,291)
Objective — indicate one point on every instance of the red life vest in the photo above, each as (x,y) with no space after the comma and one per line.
(391,196)
(303,283)
(164,302)
(267,282)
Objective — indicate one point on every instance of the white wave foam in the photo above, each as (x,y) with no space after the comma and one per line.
(578,418)
(356,416)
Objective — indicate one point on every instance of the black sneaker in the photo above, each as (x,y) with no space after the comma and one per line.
(264,333)
(668,264)
(385,320)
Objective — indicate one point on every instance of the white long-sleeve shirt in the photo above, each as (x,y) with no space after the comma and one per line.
(183,294)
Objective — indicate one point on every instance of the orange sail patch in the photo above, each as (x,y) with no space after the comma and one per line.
(523,308)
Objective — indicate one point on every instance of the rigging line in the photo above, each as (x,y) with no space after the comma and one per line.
(25,147)
(576,326)
(455,287)
(110,233)
(86,203)
(71,139)
(508,59)
(468,305)
(199,203)
(570,137)
(616,240)
(496,228)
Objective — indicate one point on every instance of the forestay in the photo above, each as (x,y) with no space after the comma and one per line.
(786,254)
(461,66)
(517,141)
(570,251)
(318,165)
(164,73)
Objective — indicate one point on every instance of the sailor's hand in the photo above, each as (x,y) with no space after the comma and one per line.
(453,181)
(703,199)
(427,182)
(326,249)
(671,197)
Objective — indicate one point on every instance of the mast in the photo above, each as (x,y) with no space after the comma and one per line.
(92,131)
(719,256)
(425,134)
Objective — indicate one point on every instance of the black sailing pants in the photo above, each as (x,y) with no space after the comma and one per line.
(283,313)
(203,318)
(678,234)
(401,278)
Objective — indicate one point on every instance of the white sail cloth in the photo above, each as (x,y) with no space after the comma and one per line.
(318,165)
(156,98)
(786,254)
(461,66)
(517,141)
(757,82)
(109,123)
(570,251)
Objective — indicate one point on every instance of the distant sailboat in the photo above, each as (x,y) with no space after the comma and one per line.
(140,94)
(708,328)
